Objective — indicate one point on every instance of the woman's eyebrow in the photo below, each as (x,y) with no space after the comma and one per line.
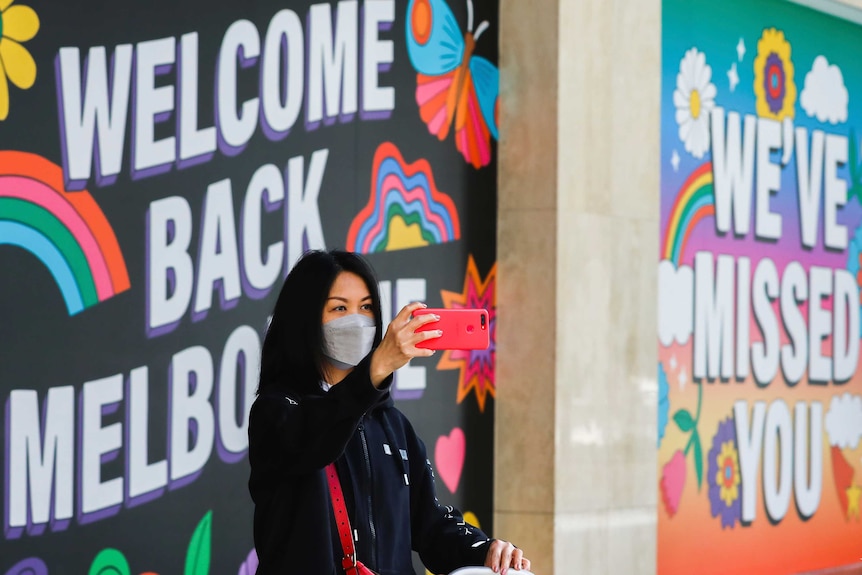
(344,299)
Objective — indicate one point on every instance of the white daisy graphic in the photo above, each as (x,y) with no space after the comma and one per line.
(694,97)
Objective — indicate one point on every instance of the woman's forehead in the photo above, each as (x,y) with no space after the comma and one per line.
(348,285)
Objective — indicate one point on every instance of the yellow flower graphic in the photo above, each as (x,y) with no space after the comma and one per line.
(773,76)
(853,495)
(727,476)
(17,24)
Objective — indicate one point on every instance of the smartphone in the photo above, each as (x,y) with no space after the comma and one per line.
(462,328)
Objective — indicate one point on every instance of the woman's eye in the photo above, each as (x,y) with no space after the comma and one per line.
(339,308)
(367,307)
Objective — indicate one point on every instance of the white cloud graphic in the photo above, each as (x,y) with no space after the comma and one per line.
(825,96)
(675,300)
(844,421)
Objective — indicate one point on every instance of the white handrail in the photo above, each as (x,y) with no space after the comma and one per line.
(487,571)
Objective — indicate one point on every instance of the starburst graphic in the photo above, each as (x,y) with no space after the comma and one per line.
(477,365)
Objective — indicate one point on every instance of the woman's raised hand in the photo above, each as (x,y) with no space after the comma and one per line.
(399,344)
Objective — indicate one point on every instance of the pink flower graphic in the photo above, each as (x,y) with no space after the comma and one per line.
(672,482)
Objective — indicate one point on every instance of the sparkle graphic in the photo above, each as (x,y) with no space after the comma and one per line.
(477,365)
(733,77)
(682,379)
(674,161)
(740,49)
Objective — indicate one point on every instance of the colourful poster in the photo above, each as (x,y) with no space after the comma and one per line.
(163,165)
(760,390)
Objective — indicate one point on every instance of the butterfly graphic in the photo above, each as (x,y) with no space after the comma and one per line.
(452,83)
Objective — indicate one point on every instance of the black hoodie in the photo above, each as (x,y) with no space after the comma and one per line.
(387,480)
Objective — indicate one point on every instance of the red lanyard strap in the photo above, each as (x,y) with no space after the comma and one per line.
(345,533)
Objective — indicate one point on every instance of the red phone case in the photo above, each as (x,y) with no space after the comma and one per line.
(462,329)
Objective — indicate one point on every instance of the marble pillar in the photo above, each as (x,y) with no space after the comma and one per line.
(577,250)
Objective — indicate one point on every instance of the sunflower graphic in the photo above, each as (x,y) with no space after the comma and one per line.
(773,76)
(17,24)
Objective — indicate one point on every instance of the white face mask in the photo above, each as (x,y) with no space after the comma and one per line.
(347,340)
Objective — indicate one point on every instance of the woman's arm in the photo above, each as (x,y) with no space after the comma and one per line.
(312,431)
(444,541)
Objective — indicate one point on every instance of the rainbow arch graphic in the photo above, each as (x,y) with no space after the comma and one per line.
(405,209)
(694,202)
(67,231)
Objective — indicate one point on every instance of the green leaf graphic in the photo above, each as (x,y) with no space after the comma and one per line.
(110,562)
(198,554)
(684,420)
(698,459)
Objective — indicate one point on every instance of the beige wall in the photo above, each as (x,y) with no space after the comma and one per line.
(526,290)
(577,251)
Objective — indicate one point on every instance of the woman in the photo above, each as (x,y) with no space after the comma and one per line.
(323,397)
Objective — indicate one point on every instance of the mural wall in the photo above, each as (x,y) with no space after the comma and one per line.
(162,166)
(760,391)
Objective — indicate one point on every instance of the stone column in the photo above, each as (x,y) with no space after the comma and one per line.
(575,467)
(525,406)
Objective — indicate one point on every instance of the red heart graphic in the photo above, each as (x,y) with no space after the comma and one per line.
(449,457)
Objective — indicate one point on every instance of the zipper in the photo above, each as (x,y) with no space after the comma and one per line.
(370,488)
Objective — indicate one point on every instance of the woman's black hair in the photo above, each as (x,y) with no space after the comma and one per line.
(292,356)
